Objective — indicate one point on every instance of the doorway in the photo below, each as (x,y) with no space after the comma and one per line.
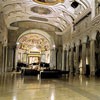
(97,54)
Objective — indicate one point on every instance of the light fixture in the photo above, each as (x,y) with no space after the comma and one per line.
(54,46)
(17,43)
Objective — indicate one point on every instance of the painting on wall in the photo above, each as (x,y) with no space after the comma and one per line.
(33,59)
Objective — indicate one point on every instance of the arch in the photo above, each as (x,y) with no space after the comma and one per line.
(84,39)
(37,31)
(45,35)
(94,34)
(97,53)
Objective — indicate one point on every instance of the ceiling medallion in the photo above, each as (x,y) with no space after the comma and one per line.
(48,2)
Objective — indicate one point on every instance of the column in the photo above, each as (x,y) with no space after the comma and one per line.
(52,58)
(10,58)
(92,57)
(65,56)
(59,58)
(67,61)
(83,58)
(72,60)
(4,67)
(1,57)
(56,52)
(14,54)
(6,52)
(4,58)
(77,59)
(63,59)
(16,57)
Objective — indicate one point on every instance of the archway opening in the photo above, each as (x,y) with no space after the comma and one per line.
(97,54)
(87,71)
(33,50)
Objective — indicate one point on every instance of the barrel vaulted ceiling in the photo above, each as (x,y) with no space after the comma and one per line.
(60,14)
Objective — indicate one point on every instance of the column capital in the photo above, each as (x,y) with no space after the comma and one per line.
(72,45)
(64,47)
(67,47)
(84,40)
(93,35)
(92,39)
(77,43)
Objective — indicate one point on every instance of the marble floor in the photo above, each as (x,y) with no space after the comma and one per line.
(13,86)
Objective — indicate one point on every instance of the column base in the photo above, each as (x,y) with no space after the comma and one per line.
(92,73)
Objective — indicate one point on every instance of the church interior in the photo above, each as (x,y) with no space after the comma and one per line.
(50,49)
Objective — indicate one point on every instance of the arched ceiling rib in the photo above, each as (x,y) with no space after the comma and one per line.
(60,13)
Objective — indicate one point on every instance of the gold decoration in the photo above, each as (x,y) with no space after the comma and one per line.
(49,2)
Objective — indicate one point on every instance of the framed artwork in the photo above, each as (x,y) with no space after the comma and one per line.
(33,59)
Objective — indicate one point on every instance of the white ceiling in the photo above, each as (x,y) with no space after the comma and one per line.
(61,15)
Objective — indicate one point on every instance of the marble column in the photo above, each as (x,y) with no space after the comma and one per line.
(65,57)
(77,59)
(56,58)
(67,61)
(1,57)
(4,69)
(83,58)
(14,55)
(59,58)
(92,57)
(6,51)
(52,58)
(72,60)
(11,59)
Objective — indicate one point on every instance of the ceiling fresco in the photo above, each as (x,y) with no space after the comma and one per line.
(49,2)
(29,41)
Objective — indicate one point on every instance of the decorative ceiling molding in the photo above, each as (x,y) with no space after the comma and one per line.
(61,14)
